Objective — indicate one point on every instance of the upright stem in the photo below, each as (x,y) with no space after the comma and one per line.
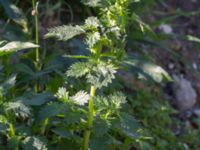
(90,119)
(36,41)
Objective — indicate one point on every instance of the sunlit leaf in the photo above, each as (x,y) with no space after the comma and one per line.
(15,46)
(34,143)
(65,32)
(193,38)
(147,69)
(80,98)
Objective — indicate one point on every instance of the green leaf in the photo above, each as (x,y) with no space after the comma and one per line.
(74,117)
(3,128)
(13,142)
(92,3)
(15,46)
(78,69)
(52,110)
(63,132)
(23,130)
(126,125)
(19,108)
(62,94)
(80,98)
(147,69)
(36,99)
(156,72)
(101,127)
(2,42)
(111,103)
(14,13)
(92,39)
(101,75)
(92,22)
(68,144)
(65,32)
(143,26)
(193,38)
(102,143)
(34,143)
(9,83)
(77,56)
(21,67)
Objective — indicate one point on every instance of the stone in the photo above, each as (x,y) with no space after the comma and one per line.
(185,94)
(197,112)
(167,29)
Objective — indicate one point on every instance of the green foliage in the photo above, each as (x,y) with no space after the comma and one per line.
(15,13)
(45,102)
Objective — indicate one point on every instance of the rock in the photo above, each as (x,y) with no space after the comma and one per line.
(167,29)
(185,94)
(197,112)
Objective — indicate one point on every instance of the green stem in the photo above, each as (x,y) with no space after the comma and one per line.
(37,60)
(12,130)
(44,125)
(90,119)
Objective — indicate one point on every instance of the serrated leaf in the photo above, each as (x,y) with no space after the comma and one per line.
(23,130)
(100,127)
(19,108)
(65,32)
(62,94)
(15,46)
(73,117)
(63,132)
(101,75)
(92,22)
(92,39)
(111,103)
(78,69)
(117,99)
(34,143)
(13,142)
(80,98)
(69,144)
(126,125)
(36,99)
(52,110)
(102,143)
(92,3)
(9,83)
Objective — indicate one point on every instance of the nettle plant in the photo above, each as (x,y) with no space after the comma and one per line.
(94,120)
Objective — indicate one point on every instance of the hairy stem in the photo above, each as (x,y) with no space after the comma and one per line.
(90,119)
(36,41)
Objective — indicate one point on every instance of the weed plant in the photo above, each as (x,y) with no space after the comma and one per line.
(83,101)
